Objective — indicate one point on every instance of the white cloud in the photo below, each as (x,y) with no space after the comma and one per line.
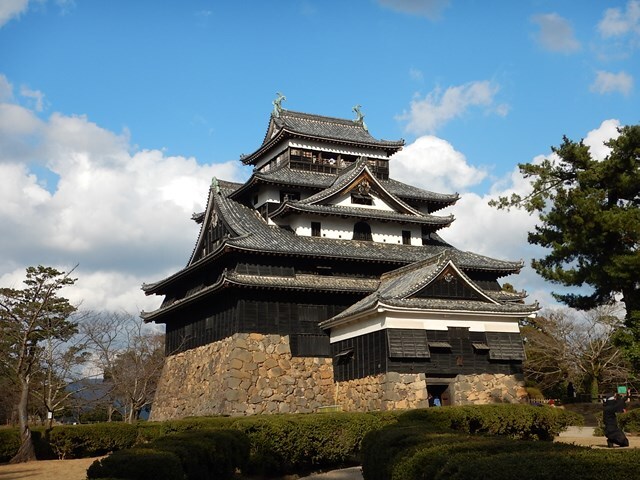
(11,9)
(431,9)
(433,164)
(123,216)
(607,82)
(35,95)
(6,89)
(595,138)
(616,23)
(437,108)
(556,33)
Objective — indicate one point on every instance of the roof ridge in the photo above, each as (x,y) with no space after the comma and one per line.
(313,116)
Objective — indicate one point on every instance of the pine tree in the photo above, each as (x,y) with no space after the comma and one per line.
(589,220)
(28,317)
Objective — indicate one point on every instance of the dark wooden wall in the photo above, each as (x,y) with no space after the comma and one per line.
(370,354)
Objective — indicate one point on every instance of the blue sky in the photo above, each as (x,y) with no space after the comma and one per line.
(115,114)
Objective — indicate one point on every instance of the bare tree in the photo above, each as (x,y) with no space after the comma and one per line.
(566,346)
(130,356)
(61,367)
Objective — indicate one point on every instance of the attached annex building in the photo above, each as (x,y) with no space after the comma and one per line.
(322,282)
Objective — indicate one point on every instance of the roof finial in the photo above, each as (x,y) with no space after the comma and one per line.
(277,104)
(359,117)
(215,185)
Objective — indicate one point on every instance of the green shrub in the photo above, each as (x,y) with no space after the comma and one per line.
(512,420)
(137,464)
(9,443)
(382,449)
(77,441)
(283,444)
(433,456)
(41,444)
(630,421)
(538,461)
(207,454)
(149,431)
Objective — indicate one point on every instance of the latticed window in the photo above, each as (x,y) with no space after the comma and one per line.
(406,237)
(315,229)
(362,231)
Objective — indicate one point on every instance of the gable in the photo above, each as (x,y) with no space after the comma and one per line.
(449,284)
(211,236)
(363,185)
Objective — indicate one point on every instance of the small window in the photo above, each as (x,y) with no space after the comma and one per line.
(315,229)
(404,343)
(406,237)
(361,199)
(284,196)
(362,231)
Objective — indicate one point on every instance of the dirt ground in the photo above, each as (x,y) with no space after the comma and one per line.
(47,470)
(77,469)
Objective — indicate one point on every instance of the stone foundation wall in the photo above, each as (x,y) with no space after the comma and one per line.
(390,391)
(244,374)
(248,374)
(487,388)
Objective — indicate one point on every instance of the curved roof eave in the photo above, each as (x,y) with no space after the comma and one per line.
(290,207)
(389,147)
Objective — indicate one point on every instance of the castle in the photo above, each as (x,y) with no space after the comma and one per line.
(323,283)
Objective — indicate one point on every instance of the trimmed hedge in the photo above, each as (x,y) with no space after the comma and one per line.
(272,445)
(413,448)
(533,461)
(285,444)
(77,441)
(138,464)
(630,421)
(512,420)
(149,431)
(207,454)
(9,443)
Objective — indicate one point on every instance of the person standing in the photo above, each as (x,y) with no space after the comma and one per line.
(571,392)
(611,407)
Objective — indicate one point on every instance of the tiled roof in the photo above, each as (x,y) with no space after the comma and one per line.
(251,233)
(306,282)
(398,287)
(298,282)
(367,213)
(256,235)
(285,176)
(346,179)
(335,130)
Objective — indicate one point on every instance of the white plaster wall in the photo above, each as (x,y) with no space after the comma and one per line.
(268,193)
(342,228)
(367,152)
(480,322)
(378,203)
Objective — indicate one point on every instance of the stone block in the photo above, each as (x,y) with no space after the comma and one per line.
(259,357)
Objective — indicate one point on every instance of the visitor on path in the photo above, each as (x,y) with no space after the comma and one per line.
(612,406)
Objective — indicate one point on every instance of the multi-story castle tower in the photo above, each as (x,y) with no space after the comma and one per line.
(323,282)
